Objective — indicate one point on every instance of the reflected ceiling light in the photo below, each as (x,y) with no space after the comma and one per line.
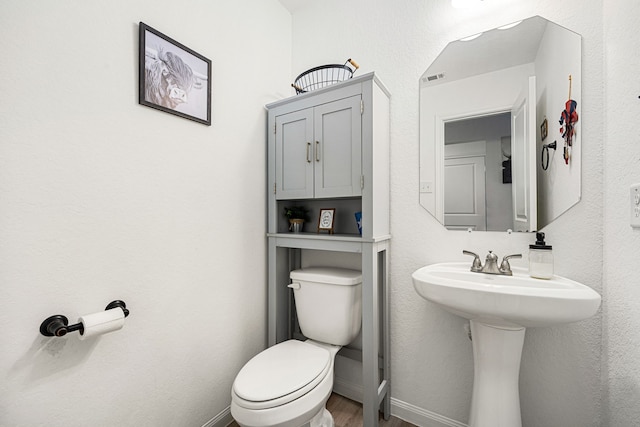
(461,4)
(506,27)
(468,39)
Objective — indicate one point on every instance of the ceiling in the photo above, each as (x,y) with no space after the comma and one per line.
(493,50)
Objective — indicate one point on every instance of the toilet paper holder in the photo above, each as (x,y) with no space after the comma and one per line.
(58,325)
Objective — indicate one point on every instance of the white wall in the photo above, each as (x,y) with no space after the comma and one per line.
(622,244)
(105,199)
(432,367)
(559,185)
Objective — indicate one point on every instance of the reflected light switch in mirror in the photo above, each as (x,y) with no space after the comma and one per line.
(634,201)
(426,187)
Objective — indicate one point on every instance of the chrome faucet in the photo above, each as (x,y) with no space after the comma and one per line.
(491,263)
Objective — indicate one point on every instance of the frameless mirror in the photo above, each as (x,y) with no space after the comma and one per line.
(491,108)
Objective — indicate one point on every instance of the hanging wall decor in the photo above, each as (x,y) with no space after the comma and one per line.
(173,78)
(568,118)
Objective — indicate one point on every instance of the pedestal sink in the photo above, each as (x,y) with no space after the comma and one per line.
(499,309)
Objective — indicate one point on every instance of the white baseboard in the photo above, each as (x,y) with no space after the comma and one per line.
(347,389)
(223,419)
(421,417)
(404,411)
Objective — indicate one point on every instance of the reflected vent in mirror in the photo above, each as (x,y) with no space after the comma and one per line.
(434,77)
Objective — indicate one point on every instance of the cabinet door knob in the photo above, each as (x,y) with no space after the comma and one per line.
(308,152)
(317,151)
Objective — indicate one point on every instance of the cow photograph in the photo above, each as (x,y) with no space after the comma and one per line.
(173,78)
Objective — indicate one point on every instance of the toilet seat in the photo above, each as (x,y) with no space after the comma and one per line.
(281,374)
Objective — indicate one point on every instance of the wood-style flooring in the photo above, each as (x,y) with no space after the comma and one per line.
(347,413)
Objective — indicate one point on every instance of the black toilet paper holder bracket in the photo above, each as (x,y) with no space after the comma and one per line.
(58,325)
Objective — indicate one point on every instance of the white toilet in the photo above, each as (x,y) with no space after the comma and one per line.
(288,385)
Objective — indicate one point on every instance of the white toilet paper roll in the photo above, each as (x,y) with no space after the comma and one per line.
(102,322)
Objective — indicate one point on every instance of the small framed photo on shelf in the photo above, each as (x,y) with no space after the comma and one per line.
(326,220)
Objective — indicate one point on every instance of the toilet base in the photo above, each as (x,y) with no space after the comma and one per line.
(322,419)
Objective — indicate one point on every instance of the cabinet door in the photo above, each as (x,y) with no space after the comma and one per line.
(294,155)
(337,148)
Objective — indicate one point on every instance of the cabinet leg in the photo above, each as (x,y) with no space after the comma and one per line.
(370,337)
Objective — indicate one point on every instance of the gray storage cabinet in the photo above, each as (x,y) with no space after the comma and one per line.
(318,151)
(330,148)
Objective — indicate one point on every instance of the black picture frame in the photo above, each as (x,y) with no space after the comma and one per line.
(173,78)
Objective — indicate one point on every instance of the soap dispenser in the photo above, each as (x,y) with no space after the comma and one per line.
(540,259)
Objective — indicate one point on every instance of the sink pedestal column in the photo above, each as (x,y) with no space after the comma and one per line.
(496,360)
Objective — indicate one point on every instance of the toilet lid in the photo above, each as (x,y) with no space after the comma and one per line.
(290,368)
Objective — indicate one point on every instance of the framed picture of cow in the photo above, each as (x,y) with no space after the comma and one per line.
(173,78)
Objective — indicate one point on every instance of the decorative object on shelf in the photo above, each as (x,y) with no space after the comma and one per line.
(296,215)
(567,119)
(324,75)
(326,220)
(358,216)
(173,78)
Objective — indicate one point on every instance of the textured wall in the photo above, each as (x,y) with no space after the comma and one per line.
(103,199)
(622,243)
(431,355)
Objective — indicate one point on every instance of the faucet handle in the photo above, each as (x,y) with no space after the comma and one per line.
(477,264)
(505,267)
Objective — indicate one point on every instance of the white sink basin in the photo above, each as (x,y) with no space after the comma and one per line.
(508,301)
(500,308)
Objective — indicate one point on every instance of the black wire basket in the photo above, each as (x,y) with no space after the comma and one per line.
(324,75)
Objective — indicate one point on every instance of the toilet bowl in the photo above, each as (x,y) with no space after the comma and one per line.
(288,384)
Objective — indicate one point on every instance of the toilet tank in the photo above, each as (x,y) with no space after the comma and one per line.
(328,303)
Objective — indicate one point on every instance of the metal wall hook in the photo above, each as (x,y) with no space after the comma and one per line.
(545,149)
(58,325)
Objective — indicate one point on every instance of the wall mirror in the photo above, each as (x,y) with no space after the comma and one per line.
(490,110)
